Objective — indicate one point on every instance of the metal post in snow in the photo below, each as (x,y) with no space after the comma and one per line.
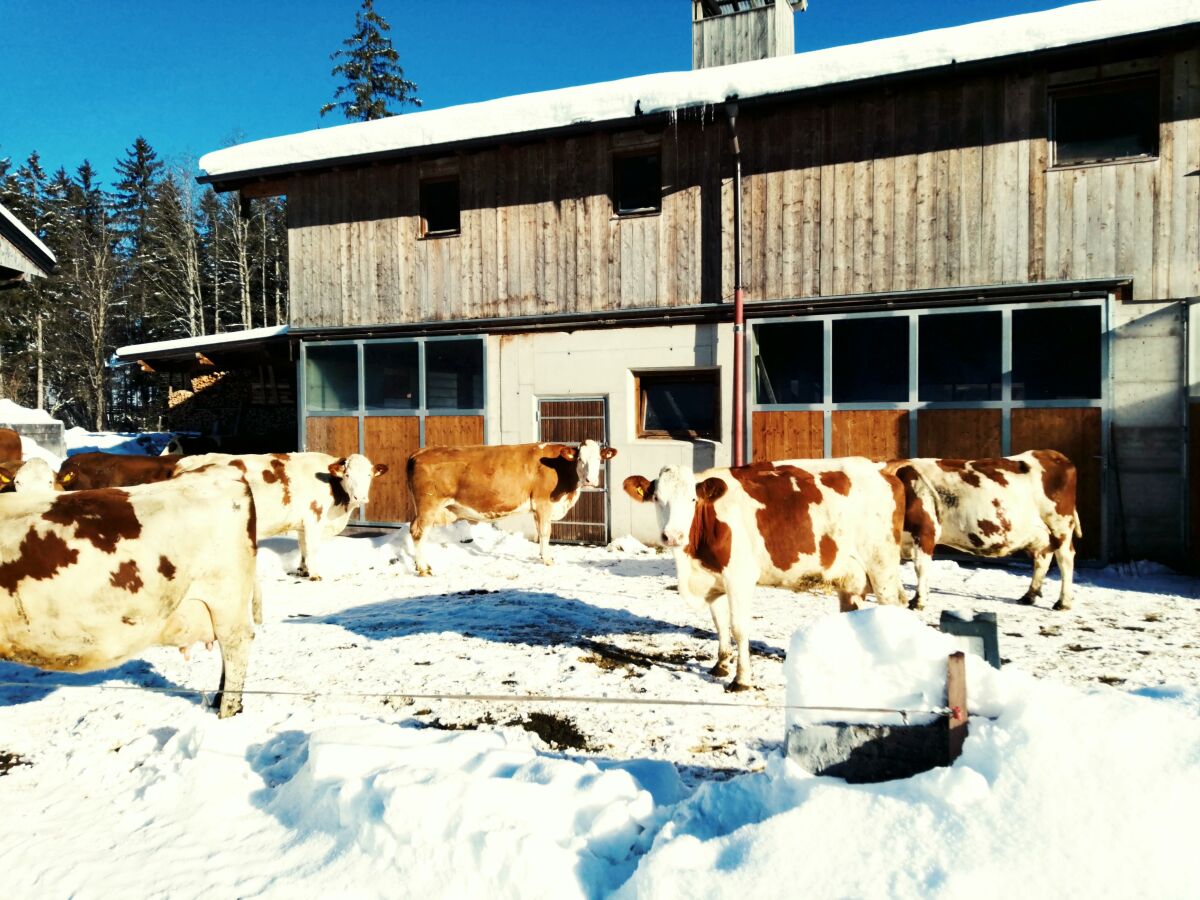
(956,700)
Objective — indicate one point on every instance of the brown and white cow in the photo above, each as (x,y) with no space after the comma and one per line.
(27,476)
(89,579)
(312,494)
(992,507)
(93,470)
(485,483)
(793,523)
(10,444)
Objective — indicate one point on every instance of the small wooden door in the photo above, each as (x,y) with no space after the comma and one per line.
(571,420)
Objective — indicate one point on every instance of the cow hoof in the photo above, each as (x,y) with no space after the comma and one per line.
(720,670)
(916,603)
(1029,599)
(736,687)
(314,577)
(424,573)
(1062,606)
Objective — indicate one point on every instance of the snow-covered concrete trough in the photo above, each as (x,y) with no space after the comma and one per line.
(35,425)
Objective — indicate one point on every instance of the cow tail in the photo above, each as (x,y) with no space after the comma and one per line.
(1078,530)
(409,468)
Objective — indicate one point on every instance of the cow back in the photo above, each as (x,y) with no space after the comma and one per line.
(96,470)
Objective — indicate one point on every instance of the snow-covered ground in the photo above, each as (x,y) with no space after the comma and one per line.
(354,782)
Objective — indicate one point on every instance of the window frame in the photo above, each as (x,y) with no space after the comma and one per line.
(691,374)
(428,233)
(1099,86)
(620,156)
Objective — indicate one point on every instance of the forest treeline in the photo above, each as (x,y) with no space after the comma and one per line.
(148,256)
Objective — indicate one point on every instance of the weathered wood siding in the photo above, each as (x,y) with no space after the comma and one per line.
(738,37)
(937,185)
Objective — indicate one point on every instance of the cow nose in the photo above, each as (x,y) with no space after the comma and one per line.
(672,538)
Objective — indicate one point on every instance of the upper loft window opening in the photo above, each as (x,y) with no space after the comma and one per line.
(439,207)
(637,183)
(1105,121)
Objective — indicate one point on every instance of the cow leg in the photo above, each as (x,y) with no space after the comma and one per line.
(740,595)
(235,655)
(256,603)
(1065,557)
(420,524)
(921,562)
(541,517)
(847,602)
(308,550)
(1041,565)
(719,608)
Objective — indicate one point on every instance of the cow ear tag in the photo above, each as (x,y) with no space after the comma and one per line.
(70,476)
(4,478)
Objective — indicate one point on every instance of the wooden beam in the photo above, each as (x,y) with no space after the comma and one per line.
(145,366)
(956,699)
(204,360)
(256,190)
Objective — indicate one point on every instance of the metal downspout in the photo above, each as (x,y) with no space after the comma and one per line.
(739,310)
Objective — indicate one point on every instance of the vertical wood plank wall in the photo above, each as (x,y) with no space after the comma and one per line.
(798,434)
(958,433)
(390,440)
(878,434)
(335,435)
(933,184)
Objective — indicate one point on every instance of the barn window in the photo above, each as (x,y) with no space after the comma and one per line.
(331,377)
(1105,121)
(683,404)
(1056,353)
(439,207)
(789,365)
(637,183)
(959,357)
(454,374)
(870,360)
(391,376)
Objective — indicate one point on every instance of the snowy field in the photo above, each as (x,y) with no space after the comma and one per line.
(351,782)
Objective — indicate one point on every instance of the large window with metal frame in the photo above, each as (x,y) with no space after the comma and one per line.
(983,357)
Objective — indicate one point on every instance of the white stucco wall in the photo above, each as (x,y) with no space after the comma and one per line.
(523,369)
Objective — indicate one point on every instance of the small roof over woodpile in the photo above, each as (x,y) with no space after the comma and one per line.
(670,93)
(210,352)
(22,255)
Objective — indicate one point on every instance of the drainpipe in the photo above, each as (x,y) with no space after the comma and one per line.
(739,311)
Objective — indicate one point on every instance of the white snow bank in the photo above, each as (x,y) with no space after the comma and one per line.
(31,449)
(1063,794)
(15,414)
(630,546)
(881,658)
(148,443)
(670,91)
(465,815)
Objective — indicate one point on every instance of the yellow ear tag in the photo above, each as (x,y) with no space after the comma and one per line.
(70,476)
(4,479)
(641,491)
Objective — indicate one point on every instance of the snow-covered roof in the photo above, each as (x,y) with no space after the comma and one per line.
(16,225)
(673,91)
(227,340)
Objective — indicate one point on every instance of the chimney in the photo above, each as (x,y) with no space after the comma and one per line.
(734,31)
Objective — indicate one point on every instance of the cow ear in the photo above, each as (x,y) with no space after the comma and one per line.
(639,488)
(338,468)
(568,453)
(710,489)
(608,452)
(380,469)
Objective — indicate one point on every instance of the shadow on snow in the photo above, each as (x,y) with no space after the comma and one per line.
(22,684)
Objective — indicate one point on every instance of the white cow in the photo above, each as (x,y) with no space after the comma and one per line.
(312,494)
(32,475)
(90,579)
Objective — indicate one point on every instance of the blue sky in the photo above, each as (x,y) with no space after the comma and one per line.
(82,79)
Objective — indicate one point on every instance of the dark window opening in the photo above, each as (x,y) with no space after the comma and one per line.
(681,404)
(391,377)
(959,357)
(870,360)
(790,364)
(454,374)
(637,183)
(331,378)
(1056,353)
(439,207)
(1107,121)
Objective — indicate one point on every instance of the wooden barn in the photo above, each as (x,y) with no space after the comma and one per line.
(965,242)
(22,255)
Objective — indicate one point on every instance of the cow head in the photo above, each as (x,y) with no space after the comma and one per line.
(589,458)
(355,473)
(674,494)
(36,476)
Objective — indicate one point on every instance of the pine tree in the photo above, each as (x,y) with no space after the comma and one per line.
(371,67)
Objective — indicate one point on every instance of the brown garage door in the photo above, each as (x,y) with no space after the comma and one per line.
(572,420)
